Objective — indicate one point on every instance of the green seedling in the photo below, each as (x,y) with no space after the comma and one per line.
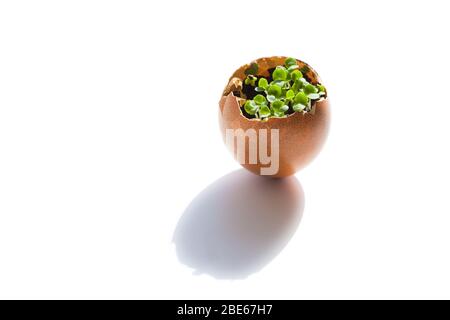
(285,92)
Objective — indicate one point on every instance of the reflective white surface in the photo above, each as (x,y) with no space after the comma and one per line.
(114,180)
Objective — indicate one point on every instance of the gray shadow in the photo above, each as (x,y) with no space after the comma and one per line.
(238,224)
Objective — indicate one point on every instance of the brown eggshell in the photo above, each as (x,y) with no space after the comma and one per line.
(301,135)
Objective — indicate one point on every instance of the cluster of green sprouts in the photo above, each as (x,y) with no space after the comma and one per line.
(285,92)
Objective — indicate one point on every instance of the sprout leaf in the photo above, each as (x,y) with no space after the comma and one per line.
(260,99)
(250,107)
(263,83)
(298,107)
(280,73)
(314,96)
(290,94)
(309,88)
(301,98)
(264,112)
(290,62)
(274,90)
(253,69)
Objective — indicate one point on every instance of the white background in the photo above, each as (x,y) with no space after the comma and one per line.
(108,131)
